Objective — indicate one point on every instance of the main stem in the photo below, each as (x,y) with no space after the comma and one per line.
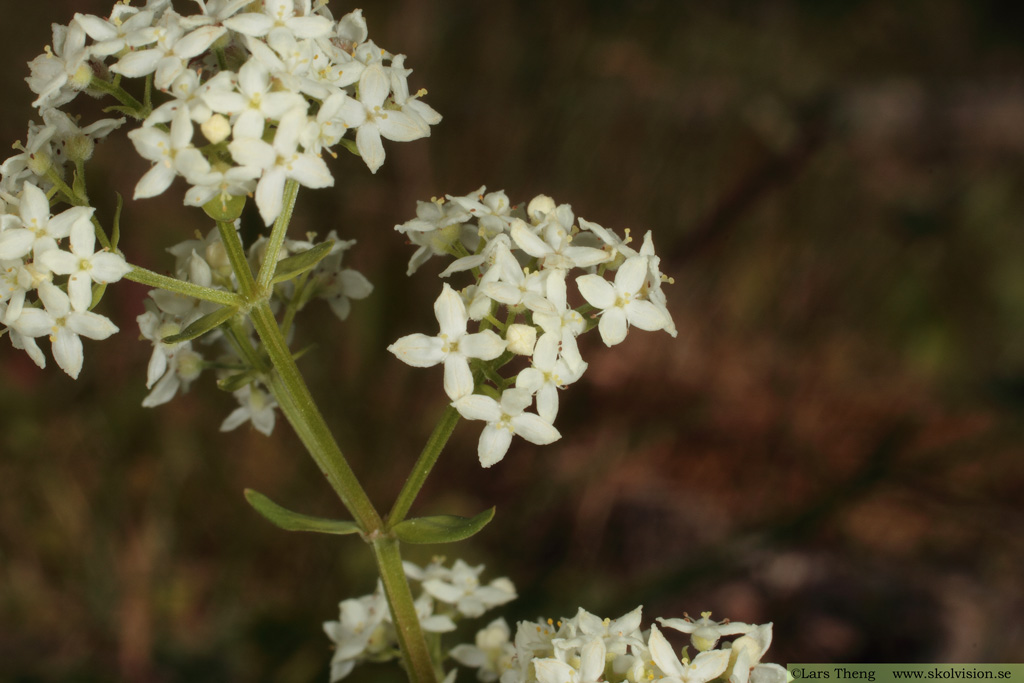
(292,394)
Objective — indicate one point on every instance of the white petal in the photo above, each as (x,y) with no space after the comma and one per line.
(645,315)
(529,242)
(156,180)
(371,149)
(458,378)
(137,64)
(494,443)
(598,292)
(450,311)
(108,267)
(16,243)
(418,350)
(400,127)
(91,325)
(270,194)
(534,429)
(374,86)
(310,170)
(196,42)
(663,654)
(250,24)
(554,671)
(486,345)
(612,326)
(631,275)
(475,407)
(67,351)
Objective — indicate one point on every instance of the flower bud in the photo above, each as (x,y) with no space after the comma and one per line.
(40,163)
(82,77)
(521,339)
(79,148)
(216,129)
(539,208)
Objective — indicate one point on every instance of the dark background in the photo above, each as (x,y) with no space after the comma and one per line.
(833,442)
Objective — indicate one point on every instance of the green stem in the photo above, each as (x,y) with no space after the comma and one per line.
(302,412)
(277,235)
(171,284)
(435,444)
(121,95)
(418,663)
(236,256)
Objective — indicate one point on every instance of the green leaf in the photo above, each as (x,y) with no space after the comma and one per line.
(120,109)
(202,326)
(441,528)
(225,210)
(299,263)
(294,521)
(350,145)
(233,383)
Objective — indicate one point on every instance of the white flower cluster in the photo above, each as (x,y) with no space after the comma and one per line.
(364,630)
(269,84)
(588,649)
(48,265)
(204,262)
(521,261)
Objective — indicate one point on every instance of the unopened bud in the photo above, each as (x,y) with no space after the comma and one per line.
(216,129)
(521,339)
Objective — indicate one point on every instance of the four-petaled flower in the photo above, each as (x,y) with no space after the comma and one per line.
(505,418)
(453,346)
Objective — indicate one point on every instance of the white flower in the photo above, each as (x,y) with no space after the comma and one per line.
(553,247)
(654,279)
(112,36)
(565,323)
(172,154)
(84,264)
(462,589)
(622,304)
(453,346)
(745,658)
(361,629)
(256,406)
(491,654)
(704,633)
(277,15)
(255,102)
(65,324)
(58,75)
(376,121)
(339,286)
(515,286)
(189,92)
(34,229)
(591,665)
(548,374)
(504,419)
(704,667)
(172,50)
(279,162)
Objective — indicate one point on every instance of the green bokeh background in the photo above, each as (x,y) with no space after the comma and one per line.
(832,443)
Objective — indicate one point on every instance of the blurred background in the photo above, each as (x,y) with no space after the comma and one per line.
(833,442)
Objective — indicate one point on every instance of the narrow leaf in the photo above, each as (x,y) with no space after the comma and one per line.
(441,528)
(202,326)
(299,263)
(233,383)
(294,521)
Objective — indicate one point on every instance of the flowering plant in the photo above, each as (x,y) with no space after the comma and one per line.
(240,100)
